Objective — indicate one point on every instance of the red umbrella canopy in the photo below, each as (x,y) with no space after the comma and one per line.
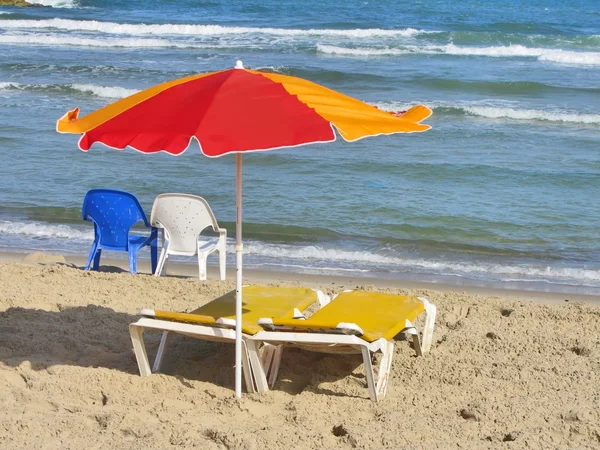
(235,110)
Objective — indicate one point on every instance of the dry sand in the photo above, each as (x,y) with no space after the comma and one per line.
(502,373)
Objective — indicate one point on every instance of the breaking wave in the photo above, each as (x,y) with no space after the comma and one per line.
(99,91)
(511,51)
(197,30)
(499,112)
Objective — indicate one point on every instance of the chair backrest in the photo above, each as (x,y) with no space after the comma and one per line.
(183,216)
(113,214)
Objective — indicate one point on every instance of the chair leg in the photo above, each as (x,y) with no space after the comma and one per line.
(160,352)
(133,259)
(97,259)
(161,263)
(139,349)
(222,263)
(202,265)
(369,373)
(258,370)
(92,255)
(154,254)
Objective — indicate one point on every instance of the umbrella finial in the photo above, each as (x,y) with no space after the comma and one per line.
(239,64)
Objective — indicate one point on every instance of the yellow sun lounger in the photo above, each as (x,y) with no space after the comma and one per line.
(215,321)
(353,322)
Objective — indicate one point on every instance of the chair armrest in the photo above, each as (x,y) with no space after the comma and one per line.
(222,233)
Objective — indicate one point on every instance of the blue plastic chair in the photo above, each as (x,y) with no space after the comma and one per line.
(113,213)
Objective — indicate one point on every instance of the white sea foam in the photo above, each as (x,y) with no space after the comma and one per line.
(502,112)
(510,51)
(532,114)
(199,30)
(334,50)
(43,230)
(8,85)
(543,54)
(319,256)
(54,40)
(104,91)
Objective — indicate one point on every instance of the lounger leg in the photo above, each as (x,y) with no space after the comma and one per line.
(417,344)
(271,356)
(160,352)
(431,311)
(258,370)
(137,339)
(247,369)
(384,369)
(275,363)
(369,373)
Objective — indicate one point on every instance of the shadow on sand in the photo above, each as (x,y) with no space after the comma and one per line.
(95,336)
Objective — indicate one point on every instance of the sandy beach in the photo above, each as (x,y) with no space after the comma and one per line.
(504,372)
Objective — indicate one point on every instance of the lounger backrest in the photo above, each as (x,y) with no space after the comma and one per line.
(184,217)
(377,315)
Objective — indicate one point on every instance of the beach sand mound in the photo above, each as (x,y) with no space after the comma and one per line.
(501,374)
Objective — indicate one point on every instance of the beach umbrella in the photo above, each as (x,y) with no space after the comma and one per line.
(235,111)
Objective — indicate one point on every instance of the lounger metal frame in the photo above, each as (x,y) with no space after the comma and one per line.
(345,338)
(223,330)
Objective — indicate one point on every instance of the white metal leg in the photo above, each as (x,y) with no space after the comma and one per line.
(369,373)
(139,349)
(247,369)
(160,352)
(258,370)
(385,367)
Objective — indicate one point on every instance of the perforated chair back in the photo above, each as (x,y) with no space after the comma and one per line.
(113,214)
(184,217)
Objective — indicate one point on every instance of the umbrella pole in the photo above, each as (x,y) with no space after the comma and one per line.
(238,281)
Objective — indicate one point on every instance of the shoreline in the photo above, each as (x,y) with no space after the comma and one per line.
(339,282)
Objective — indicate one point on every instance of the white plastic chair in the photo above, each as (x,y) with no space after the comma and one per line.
(182,217)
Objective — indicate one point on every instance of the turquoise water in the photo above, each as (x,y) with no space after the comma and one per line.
(503,191)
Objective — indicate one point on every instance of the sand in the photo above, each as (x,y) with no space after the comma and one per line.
(502,373)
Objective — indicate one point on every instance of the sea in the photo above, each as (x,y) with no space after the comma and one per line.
(503,191)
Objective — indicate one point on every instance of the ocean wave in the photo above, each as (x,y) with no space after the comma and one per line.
(511,51)
(343,51)
(104,91)
(99,91)
(542,54)
(42,230)
(532,114)
(52,40)
(199,30)
(499,112)
(319,255)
